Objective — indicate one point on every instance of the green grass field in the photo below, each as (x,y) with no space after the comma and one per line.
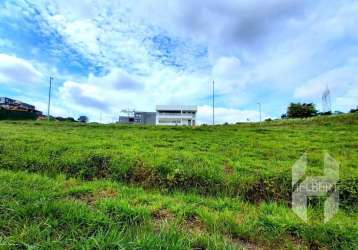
(75,186)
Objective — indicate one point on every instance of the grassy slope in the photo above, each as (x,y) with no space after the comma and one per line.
(58,213)
(244,161)
(247,160)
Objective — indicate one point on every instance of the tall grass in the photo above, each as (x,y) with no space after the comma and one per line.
(250,161)
(41,212)
(74,186)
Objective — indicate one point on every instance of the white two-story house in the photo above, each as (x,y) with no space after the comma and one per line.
(180,115)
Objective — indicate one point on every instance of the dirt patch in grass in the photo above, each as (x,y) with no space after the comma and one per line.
(142,174)
(315,245)
(91,198)
(162,217)
(257,193)
(69,183)
(194,224)
(247,245)
(240,219)
(198,247)
(286,242)
(229,169)
(106,193)
(97,167)
(269,189)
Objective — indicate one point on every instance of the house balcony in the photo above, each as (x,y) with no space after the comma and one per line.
(179,116)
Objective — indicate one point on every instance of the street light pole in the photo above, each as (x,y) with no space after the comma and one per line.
(213,102)
(260,112)
(49,99)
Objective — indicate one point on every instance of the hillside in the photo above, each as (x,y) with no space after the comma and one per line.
(182,188)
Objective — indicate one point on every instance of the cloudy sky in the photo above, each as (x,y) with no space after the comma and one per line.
(109,55)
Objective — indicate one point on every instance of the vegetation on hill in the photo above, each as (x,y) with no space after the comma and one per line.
(39,212)
(301,110)
(204,187)
(16,115)
(250,161)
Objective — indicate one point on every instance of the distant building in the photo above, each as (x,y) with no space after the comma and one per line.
(145,118)
(173,115)
(125,120)
(180,115)
(15,105)
(11,109)
(11,104)
(140,118)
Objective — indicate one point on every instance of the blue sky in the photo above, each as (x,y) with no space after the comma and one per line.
(106,56)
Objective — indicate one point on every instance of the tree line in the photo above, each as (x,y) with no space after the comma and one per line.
(305,110)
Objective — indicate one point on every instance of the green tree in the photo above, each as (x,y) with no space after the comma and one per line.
(83,119)
(301,110)
(354,110)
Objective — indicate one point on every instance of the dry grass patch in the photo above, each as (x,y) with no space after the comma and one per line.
(194,225)
(91,198)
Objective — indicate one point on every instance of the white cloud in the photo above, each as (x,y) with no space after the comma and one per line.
(56,107)
(17,70)
(168,52)
(223,115)
(84,95)
(230,75)
(5,43)
(118,90)
(118,79)
(227,68)
(224,21)
(347,101)
(338,80)
(103,32)
(341,81)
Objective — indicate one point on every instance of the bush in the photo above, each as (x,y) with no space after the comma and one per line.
(325,113)
(16,115)
(354,110)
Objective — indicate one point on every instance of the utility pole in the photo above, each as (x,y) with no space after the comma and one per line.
(49,99)
(213,102)
(260,112)
(326,101)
